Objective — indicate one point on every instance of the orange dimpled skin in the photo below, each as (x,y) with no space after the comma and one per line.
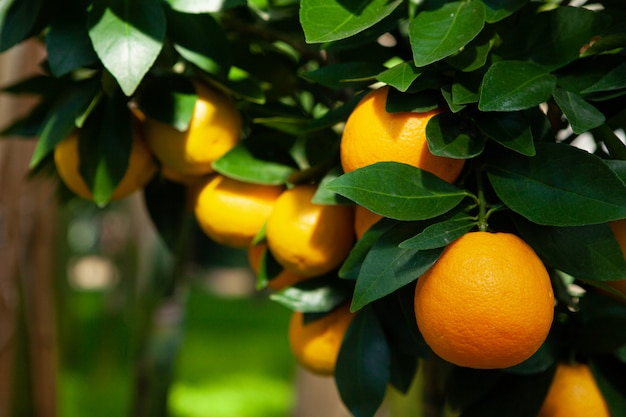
(316,344)
(486,303)
(371,135)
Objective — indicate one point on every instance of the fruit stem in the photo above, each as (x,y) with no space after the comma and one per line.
(483,214)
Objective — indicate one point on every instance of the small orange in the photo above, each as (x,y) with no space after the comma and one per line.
(574,393)
(363,220)
(281,281)
(371,135)
(232,212)
(214,129)
(141,167)
(306,238)
(486,303)
(316,344)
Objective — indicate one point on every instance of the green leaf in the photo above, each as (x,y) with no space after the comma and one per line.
(200,40)
(581,115)
(170,99)
(474,54)
(415,103)
(67,41)
(515,85)
(466,86)
(589,252)
(452,137)
(127,35)
(496,10)
(351,267)
(362,371)
(612,80)
(602,320)
(323,195)
(315,295)
(437,34)
(17,21)
(345,74)
(400,76)
(256,161)
(104,145)
(204,6)
(606,43)
(62,118)
(440,234)
(509,129)
(398,191)
(387,267)
(559,186)
(446,92)
(331,20)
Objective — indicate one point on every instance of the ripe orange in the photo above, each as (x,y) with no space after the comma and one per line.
(306,238)
(619,230)
(574,393)
(232,212)
(363,220)
(316,344)
(214,129)
(141,167)
(371,135)
(281,281)
(486,303)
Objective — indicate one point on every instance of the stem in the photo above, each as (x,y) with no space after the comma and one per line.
(483,214)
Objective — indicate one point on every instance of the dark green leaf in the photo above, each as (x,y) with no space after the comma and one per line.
(474,54)
(606,43)
(613,80)
(515,85)
(352,265)
(452,137)
(446,92)
(609,375)
(581,115)
(315,295)
(602,322)
(63,117)
(619,167)
(331,20)
(509,129)
(440,234)
(17,20)
(496,10)
(336,115)
(169,99)
(589,252)
(437,34)
(30,125)
(387,267)
(204,6)
(543,190)
(615,146)
(466,86)
(417,103)
(127,35)
(398,191)
(400,76)
(67,41)
(345,74)
(200,40)
(362,372)
(104,145)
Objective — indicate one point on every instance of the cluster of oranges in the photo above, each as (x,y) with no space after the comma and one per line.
(486,303)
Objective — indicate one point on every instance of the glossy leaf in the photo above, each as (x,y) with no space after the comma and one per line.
(612,80)
(452,137)
(540,189)
(509,129)
(437,34)
(362,372)
(387,267)
(127,35)
(398,191)
(351,267)
(581,115)
(316,295)
(400,76)
(496,10)
(474,54)
(67,42)
(330,20)
(440,234)
(515,85)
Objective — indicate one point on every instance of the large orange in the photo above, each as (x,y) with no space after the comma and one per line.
(141,167)
(371,135)
(316,344)
(232,212)
(574,393)
(486,303)
(214,129)
(306,238)
(284,279)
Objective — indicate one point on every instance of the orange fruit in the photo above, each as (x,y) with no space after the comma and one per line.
(281,281)
(232,212)
(214,129)
(306,238)
(619,230)
(574,393)
(486,303)
(363,220)
(316,344)
(371,135)
(141,167)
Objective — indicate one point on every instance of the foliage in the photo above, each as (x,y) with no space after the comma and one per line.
(523,80)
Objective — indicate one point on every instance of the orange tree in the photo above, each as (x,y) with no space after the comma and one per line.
(524,99)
